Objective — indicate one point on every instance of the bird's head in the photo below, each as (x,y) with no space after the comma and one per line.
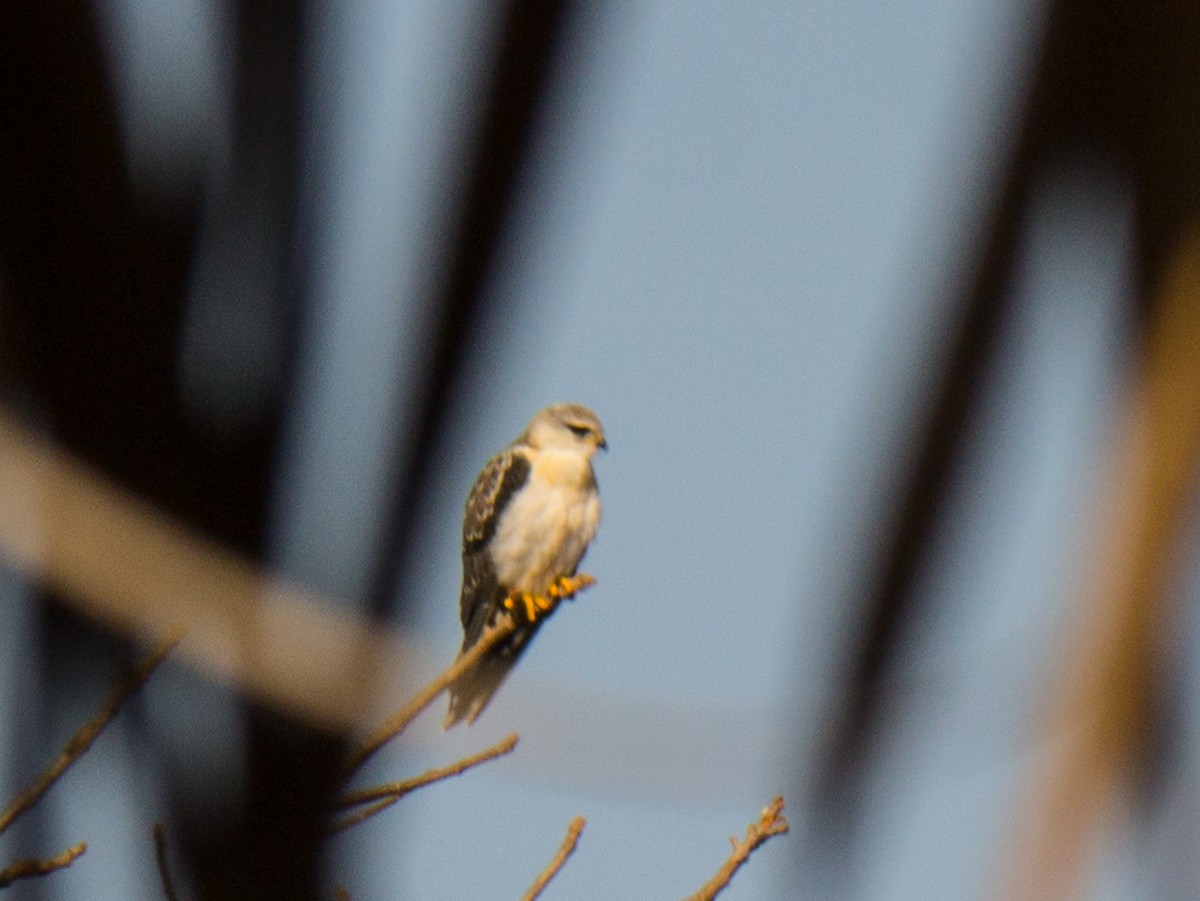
(566,427)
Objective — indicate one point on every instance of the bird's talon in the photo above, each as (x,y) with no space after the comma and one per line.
(530,606)
(566,587)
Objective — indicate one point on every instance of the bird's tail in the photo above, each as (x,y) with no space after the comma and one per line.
(475,689)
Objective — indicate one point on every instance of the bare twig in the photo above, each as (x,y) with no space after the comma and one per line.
(33,866)
(164,871)
(381,797)
(769,823)
(565,850)
(87,734)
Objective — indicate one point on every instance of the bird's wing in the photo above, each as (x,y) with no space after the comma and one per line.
(501,479)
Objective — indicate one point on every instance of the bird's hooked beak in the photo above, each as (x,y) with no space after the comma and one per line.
(602,443)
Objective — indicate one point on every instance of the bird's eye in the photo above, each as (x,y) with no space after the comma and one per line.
(581,431)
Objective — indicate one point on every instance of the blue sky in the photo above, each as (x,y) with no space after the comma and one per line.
(738,240)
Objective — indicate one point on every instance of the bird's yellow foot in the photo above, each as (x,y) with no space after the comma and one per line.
(566,587)
(532,605)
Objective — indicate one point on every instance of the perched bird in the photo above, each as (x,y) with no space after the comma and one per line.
(529,519)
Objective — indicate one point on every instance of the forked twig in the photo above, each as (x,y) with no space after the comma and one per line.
(565,850)
(769,823)
(381,797)
(79,743)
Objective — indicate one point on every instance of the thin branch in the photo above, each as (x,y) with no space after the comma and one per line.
(381,797)
(398,721)
(403,787)
(32,866)
(463,664)
(164,871)
(769,823)
(87,734)
(565,850)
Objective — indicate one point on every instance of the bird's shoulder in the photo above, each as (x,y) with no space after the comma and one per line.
(502,476)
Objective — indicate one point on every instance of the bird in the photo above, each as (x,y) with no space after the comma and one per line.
(529,518)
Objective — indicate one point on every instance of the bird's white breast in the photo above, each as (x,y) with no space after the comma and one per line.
(548,524)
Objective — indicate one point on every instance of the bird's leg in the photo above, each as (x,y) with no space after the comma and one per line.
(566,587)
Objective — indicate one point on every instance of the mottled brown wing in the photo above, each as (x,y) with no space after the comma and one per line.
(501,478)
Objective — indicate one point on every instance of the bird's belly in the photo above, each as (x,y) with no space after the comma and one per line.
(543,535)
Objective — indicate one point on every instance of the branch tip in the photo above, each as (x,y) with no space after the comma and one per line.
(770,822)
(34,866)
(565,850)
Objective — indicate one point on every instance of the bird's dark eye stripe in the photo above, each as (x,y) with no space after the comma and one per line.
(581,430)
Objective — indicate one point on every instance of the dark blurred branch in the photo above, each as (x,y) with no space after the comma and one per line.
(1113,84)
(97,281)
(32,866)
(565,850)
(890,600)
(160,857)
(381,797)
(770,822)
(83,739)
(528,40)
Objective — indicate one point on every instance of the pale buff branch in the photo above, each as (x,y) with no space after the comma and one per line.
(381,797)
(1101,700)
(769,823)
(122,562)
(79,743)
(160,856)
(32,866)
(565,850)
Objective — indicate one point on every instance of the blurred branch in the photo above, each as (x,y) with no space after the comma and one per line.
(160,855)
(32,866)
(1102,699)
(565,850)
(106,552)
(79,743)
(769,823)
(384,796)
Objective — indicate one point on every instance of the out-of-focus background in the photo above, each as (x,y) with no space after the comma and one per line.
(889,311)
